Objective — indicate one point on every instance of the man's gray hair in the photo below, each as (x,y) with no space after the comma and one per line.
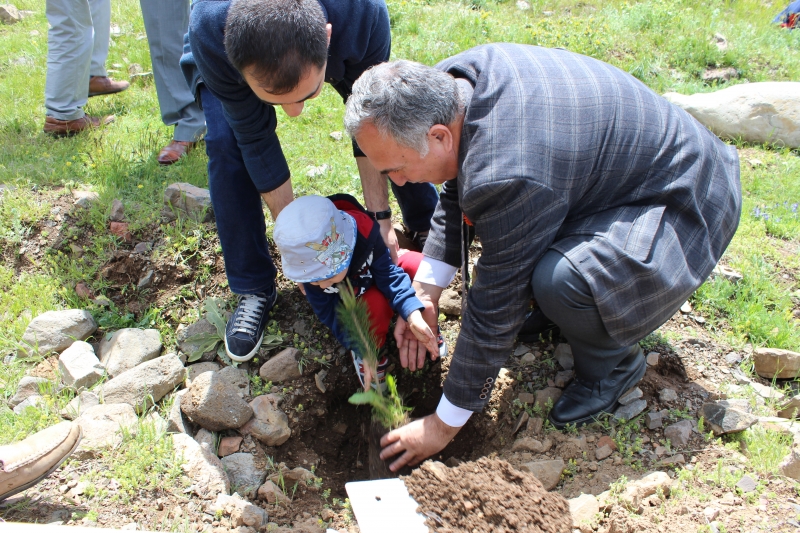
(403,100)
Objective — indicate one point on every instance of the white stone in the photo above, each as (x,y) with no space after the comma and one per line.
(28,386)
(102,427)
(766,112)
(55,331)
(146,383)
(127,348)
(79,404)
(583,508)
(80,368)
(201,466)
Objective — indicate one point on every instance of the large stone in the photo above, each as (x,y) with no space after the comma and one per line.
(766,112)
(127,348)
(236,377)
(790,466)
(633,409)
(176,422)
(244,515)
(271,493)
(679,433)
(102,427)
(31,401)
(630,396)
(790,409)
(55,331)
(767,392)
(214,403)
(583,508)
(244,473)
(450,303)
(201,466)
(187,343)
(79,404)
(723,419)
(547,472)
(776,363)
(563,355)
(654,419)
(79,366)
(193,201)
(528,444)
(668,395)
(9,14)
(192,371)
(145,384)
(542,396)
(281,367)
(269,424)
(637,490)
(28,386)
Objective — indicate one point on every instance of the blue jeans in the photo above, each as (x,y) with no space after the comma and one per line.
(240,215)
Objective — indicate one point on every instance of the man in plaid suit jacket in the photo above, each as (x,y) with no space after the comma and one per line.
(589,192)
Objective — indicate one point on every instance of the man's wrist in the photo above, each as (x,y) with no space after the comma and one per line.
(385,214)
(450,414)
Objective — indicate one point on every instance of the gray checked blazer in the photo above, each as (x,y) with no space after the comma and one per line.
(561,151)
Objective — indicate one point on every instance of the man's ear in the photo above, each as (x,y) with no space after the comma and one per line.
(442,135)
(328,30)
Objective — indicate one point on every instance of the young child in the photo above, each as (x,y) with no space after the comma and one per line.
(324,241)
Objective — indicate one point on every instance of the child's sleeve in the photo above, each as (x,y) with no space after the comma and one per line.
(394,283)
(324,305)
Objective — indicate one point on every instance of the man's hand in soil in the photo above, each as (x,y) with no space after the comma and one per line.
(419,440)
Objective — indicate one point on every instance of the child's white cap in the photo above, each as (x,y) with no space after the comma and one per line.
(315,239)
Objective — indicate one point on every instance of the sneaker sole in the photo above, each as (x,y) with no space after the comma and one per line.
(244,358)
(635,378)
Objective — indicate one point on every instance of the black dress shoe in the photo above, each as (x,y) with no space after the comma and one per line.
(583,401)
(536,324)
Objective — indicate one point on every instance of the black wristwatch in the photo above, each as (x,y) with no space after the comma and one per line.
(381,215)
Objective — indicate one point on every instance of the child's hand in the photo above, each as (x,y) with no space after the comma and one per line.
(423,332)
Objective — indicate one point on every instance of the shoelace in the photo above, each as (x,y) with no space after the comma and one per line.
(248,313)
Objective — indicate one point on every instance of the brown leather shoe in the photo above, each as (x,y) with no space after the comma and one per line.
(174,151)
(61,128)
(25,463)
(104,85)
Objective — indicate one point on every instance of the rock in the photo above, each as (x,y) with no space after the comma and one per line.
(542,396)
(142,248)
(547,472)
(563,378)
(117,213)
(83,291)
(192,371)
(677,459)
(733,358)
(605,440)
(28,386)
(205,438)
(301,475)
(319,380)
(336,135)
(668,395)
(127,348)
(527,444)
(790,466)
(145,384)
(271,493)
(229,445)
(791,408)
(628,412)
(101,426)
(79,367)
(31,401)
(679,433)
(269,424)
(85,199)
(176,422)
(214,403)
(340,428)
(522,5)
(525,398)
(535,424)
(450,303)
(9,14)
(776,363)
(193,201)
(238,378)
(652,358)
(79,404)
(55,331)
(522,419)
(686,308)
(710,513)
(719,75)
(746,484)
(583,508)
(727,273)
(654,419)
(563,355)
(120,229)
(282,367)
(527,359)
(723,419)
(766,112)
(635,491)
(146,281)
(243,472)
(244,516)
(631,396)
(603,452)
(767,392)
(201,466)
(520,350)
(188,346)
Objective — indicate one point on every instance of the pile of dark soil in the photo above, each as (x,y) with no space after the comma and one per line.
(486,495)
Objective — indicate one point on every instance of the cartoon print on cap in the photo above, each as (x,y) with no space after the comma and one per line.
(332,251)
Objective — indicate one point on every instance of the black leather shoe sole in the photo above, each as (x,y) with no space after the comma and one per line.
(631,375)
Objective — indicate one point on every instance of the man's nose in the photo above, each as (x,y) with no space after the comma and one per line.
(293,110)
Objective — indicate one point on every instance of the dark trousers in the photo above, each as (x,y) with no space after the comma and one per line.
(240,215)
(566,299)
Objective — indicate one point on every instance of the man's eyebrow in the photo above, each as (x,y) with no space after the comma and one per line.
(302,100)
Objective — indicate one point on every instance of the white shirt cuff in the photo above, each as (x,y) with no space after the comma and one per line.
(450,414)
(435,272)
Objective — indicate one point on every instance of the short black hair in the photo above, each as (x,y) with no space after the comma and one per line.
(277,41)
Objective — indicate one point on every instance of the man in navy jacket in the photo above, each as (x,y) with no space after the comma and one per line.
(242,59)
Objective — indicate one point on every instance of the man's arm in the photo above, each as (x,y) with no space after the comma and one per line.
(279,198)
(376,197)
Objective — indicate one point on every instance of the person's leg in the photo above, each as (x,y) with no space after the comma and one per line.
(166,22)
(101,22)
(417,203)
(69,52)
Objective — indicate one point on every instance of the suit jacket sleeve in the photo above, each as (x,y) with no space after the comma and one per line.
(516,220)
